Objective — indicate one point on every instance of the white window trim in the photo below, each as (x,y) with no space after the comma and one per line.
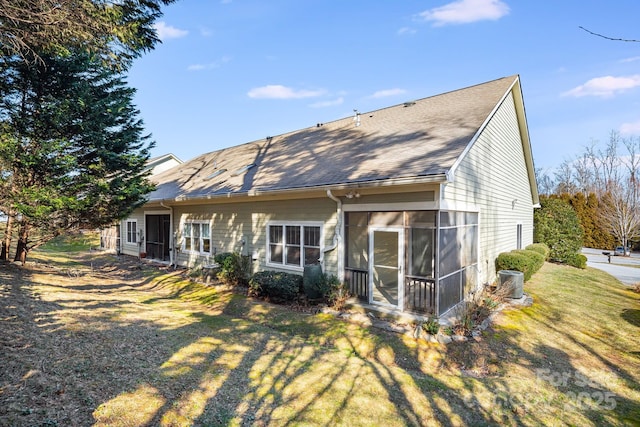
(126,232)
(284,265)
(183,243)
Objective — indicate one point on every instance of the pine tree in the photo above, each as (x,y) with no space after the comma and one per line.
(71,144)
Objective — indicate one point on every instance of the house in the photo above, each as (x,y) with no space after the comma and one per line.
(110,237)
(409,204)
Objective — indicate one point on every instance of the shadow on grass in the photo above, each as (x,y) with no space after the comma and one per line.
(631,315)
(169,352)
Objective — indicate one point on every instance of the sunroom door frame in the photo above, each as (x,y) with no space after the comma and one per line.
(399,231)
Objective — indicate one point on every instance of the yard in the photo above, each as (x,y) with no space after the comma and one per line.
(91,340)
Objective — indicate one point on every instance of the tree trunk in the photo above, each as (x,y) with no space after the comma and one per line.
(21,250)
(6,243)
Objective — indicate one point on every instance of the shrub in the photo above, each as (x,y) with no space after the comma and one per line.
(557,225)
(514,261)
(577,260)
(234,268)
(541,248)
(526,261)
(536,259)
(431,326)
(275,284)
(337,292)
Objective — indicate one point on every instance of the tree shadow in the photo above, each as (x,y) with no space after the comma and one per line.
(631,315)
(163,354)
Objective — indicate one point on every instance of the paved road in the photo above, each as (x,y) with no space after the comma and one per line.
(625,269)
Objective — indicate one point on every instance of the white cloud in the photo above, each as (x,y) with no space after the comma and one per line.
(605,86)
(210,65)
(282,92)
(632,59)
(165,31)
(388,92)
(630,128)
(406,30)
(330,103)
(466,11)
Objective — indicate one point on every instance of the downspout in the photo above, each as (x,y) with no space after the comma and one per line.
(337,237)
(171,235)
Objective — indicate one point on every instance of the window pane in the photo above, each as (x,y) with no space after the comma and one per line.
(206,231)
(276,253)
(450,250)
(275,234)
(357,247)
(421,252)
(293,255)
(187,243)
(206,245)
(312,236)
(450,291)
(357,218)
(196,231)
(293,235)
(386,218)
(421,219)
(311,256)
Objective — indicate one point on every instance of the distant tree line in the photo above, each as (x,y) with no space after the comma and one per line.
(603,188)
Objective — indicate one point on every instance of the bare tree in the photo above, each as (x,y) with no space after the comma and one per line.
(621,200)
(545,182)
(616,39)
(564,178)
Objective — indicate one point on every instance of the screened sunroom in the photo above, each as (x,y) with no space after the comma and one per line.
(423,262)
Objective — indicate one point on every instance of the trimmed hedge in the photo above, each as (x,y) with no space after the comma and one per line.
(578,261)
(537,259)
(526,261)
(541,248)
(275,284)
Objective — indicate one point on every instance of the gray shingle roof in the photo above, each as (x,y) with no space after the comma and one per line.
(411,140)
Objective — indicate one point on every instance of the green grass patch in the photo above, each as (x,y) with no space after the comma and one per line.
(158,349)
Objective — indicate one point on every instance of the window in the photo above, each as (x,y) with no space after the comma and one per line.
(197,237)
(132,231)
(518,236)
(293,245)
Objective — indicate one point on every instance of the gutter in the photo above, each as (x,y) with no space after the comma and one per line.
(337,237)
(429,179)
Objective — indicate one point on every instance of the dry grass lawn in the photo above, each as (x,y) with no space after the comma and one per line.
(90,340)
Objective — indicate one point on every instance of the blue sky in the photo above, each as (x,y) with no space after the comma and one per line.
(233,71)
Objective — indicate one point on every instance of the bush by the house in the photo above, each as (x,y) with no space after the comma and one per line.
(234,268)
(275,284)
(577,260)
(541,248)
(537,259)
(336,292)
(526,261)
(557,225)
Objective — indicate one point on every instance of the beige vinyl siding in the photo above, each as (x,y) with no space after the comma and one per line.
(397,197)
(493,177)
(233,222)
(129,248)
